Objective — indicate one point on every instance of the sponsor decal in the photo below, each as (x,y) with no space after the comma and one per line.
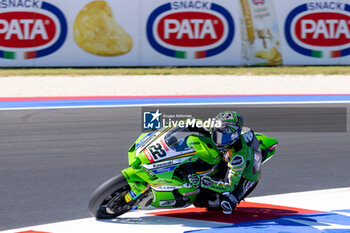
(164,164)
(191,193)
(164,145)
(167,203)
(165,188)
(257,162)
(149,156)
(143,140)
(130,196)
(319,29)
(227,155)
(158,165)
(207,182)
(190,29)
(132,193)
(30,29)
(164,169)
(258,2)
(238,160)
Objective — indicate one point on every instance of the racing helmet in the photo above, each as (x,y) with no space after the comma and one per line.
(225,135)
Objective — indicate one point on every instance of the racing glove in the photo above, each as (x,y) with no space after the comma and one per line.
(206,182)
(228,202)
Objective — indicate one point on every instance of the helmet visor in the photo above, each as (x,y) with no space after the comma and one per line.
(225,137)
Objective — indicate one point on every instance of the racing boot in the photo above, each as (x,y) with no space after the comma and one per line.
(228,202)
(214,202)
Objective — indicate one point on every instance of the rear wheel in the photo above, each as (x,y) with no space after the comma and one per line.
(108,200)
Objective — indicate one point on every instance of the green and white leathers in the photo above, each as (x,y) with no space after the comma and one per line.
(240,149)
(159,164)
(242,161)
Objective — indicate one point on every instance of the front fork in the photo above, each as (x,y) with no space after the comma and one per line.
(132,196)
(140,192)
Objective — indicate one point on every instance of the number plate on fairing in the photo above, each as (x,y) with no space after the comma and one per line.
(159,151)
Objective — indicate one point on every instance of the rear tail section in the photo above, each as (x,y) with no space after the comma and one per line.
(268,146)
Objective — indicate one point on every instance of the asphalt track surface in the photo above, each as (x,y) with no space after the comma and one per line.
(52,160)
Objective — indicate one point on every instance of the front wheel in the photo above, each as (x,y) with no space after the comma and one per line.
(108,200)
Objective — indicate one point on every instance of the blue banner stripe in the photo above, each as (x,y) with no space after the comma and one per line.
(173,100)
(231,31)
(64,30)
(150,36)
(288,31)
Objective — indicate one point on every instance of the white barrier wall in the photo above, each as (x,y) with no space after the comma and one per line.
(184,33)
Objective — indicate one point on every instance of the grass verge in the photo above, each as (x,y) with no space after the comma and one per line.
(288,70)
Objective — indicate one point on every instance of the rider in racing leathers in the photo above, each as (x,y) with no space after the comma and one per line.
(241,154)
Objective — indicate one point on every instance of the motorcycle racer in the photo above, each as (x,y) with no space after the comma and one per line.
(161,164)
(241,155)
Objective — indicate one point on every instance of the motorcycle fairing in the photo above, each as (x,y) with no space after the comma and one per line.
(153,161)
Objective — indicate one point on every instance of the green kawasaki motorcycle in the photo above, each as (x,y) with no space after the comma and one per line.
(159,163)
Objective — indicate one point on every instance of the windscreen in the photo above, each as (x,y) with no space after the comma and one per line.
(176,138)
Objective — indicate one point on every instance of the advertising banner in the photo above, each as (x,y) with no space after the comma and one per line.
(69,33)
(315,32)
(261,44)
(44,33)
(190,33)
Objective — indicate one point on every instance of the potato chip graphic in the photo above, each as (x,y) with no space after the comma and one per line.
(273,57)
(97,32)
(261,54)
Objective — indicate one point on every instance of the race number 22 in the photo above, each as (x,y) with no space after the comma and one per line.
(157,151)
